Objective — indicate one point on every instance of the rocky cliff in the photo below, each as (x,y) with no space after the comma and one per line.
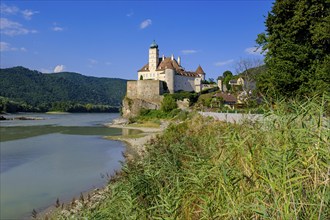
(132,106)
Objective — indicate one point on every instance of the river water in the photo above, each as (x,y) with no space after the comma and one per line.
(58,157)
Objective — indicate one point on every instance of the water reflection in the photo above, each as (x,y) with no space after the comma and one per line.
(43,160)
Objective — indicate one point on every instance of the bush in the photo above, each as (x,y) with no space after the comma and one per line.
(168,104)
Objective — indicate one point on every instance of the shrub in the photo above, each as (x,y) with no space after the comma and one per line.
(277,168)
(168,104)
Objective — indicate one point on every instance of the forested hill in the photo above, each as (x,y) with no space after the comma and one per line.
(35,88)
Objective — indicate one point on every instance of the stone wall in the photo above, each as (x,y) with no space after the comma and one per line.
(149,90)
(131,90)
(142,94)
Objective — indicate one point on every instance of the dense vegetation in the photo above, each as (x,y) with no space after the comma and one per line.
(276,168)
(297,41)
(60,91)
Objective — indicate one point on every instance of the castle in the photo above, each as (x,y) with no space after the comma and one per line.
(163,74)
(160,75)
(169,70)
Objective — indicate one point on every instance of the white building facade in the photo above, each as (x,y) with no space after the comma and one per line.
(169,70)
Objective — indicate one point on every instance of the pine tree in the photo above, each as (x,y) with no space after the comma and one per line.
(297,41)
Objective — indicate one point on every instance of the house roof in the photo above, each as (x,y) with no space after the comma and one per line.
(200,70)
(226,97)
(168,63)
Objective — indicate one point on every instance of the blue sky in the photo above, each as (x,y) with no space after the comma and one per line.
(112,38)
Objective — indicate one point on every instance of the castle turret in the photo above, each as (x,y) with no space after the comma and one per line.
(200,72)
(153,56)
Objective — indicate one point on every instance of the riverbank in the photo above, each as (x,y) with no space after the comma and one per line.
(136,142)
(135,149)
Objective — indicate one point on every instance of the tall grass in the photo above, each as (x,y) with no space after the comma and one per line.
(204,169)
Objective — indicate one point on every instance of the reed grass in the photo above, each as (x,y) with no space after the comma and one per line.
(277,168)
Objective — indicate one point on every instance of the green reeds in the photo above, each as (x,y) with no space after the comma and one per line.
(277,168)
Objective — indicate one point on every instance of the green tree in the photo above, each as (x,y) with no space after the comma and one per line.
(211,81)
(227,76)
(168,104)
(227,73)
(297,41)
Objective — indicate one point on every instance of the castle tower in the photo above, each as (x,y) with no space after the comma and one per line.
(153,56)
(200,72)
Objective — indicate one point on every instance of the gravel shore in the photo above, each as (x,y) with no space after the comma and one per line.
(135,143)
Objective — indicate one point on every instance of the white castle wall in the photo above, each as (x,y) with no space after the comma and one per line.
(170,79)
(184,83)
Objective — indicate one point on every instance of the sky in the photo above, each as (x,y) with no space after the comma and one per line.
(112,38)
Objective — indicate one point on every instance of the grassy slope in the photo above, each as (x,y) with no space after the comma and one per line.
(203,169)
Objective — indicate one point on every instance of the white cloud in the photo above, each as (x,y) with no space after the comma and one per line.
(27,14)
(12,28)
(8,10)
(188,51)
(130,14)
(4,46)
(93,61)
(59,68)
(144,24)
(253,50)
(56,27)
(13,10)
(223,63)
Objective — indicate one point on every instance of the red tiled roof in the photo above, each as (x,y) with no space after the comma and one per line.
(200,70)
(145,68)
(168,63)
(226,97)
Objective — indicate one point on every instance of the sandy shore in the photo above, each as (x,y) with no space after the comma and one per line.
(135,145)
(137,142)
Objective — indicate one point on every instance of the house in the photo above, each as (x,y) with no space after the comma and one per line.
(245,84)
(228,99)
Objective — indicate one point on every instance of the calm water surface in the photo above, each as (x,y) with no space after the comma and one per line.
(59,157)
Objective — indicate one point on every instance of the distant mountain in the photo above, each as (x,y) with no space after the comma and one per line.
(35,88)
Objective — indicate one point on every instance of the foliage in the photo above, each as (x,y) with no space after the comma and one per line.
(41,90)
(9,106)
(168,103)
(205,82)
(211,81)
(227,73)
(210,90)
(205,100)
(276,168)
(181,95)
(76,107)
(297,41)
(227,76)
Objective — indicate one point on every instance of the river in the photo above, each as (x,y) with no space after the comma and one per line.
(58,157)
